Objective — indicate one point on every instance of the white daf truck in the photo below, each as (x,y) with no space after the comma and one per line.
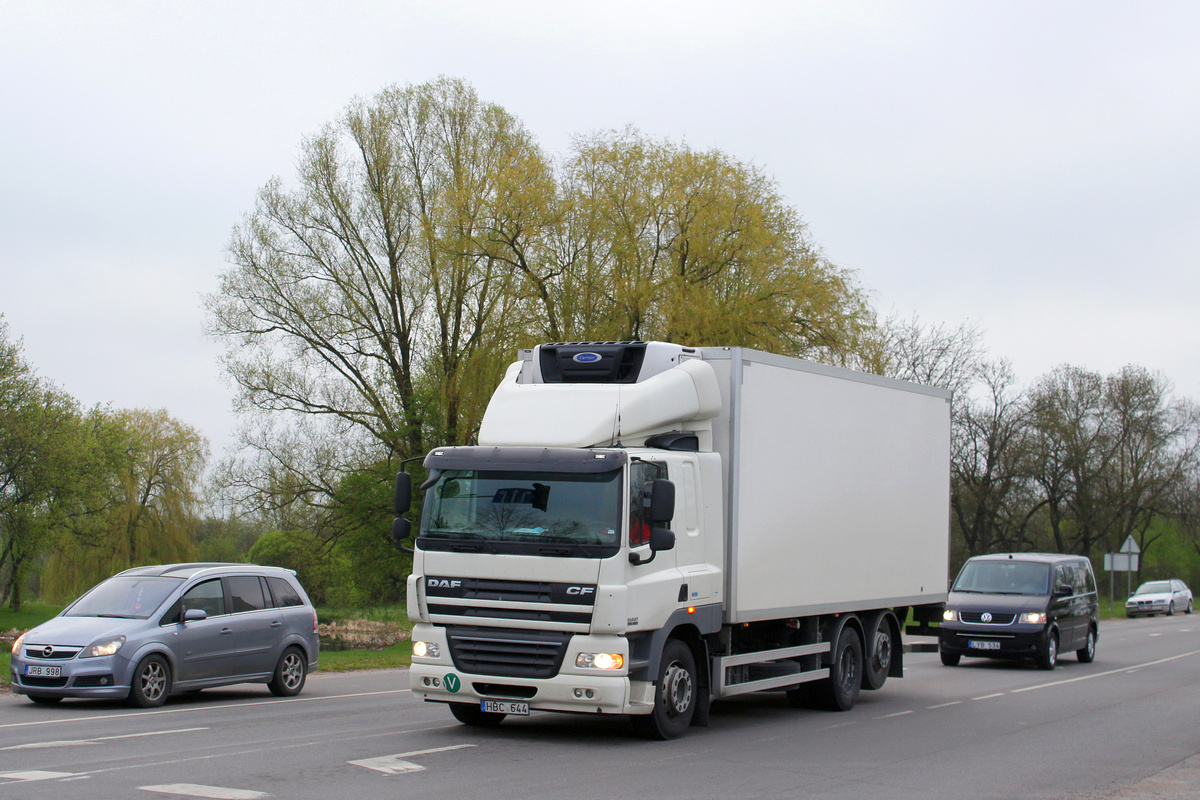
(644,528)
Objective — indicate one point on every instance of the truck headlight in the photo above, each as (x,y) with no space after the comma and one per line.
(600,660)
(1033,618)
(949,615)
(426,650)
(106,647)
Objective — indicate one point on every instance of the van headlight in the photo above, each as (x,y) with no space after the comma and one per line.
(600,660)
(949,615)
(1033,618)
(426,650)
(107,647)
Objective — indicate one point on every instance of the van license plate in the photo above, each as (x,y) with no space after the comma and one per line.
(43,672)
(505,707)
(981,645)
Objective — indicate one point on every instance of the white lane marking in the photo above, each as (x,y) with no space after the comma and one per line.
(397,764)
(897,714)
(988,696)
(943,705)
(199,790)
(34,775)
(74,742)
(201,707)
(1118,671)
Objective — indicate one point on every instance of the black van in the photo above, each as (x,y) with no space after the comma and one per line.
(1021,605)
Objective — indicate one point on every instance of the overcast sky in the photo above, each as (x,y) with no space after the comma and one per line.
(1032,167)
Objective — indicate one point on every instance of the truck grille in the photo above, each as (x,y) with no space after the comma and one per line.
(508,653)
(531,601)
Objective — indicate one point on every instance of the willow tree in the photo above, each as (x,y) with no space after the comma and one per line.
(140,482)
(649,239)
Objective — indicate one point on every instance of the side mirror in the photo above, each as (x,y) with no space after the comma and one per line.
(403,493)
(401,530)
(662,503)
(661,539)
(194,615)
(1063,591)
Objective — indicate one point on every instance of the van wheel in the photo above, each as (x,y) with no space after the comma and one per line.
(475,716)
(151,682)
(949,659)
(290,673)
(1088,652)
(881,649)
(675,694)
(840,690)
(1048,658)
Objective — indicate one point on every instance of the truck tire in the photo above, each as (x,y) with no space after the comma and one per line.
(473,715)
(881,648)
(840,690)
(674,694)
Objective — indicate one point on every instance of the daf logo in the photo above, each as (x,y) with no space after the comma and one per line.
(986,617)
(580,590)
(47,651)
(443,583)
(586,358)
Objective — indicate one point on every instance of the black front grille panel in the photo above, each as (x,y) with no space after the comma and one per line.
(511,613)
(49,683)
(507,653)
(976,618)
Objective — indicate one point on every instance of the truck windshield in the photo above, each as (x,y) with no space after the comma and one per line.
(523,512)
(1004,577)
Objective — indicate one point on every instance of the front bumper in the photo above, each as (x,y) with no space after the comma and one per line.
(574,689)
(101,677)
(1009,641)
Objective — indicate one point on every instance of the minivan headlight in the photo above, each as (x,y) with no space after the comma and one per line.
(949,615)
(16,648)
(106,647)
(1033,618)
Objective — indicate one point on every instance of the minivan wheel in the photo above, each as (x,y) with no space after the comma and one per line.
(151,682)
(950,659)
(1048,658)
(1088,652)
(290,673)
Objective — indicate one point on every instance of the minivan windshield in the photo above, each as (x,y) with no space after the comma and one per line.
(1004,577)
(505,507)
(125,597)
(1154,587)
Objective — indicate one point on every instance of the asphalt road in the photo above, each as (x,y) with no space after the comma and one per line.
(1126,726)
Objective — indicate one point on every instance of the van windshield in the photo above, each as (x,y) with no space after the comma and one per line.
(1004,577)
(500,510)
(126,597)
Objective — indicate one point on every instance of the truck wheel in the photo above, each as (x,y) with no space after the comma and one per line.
(881,649)
(1087,653)
(1048,658)
(475,716)
(950,659)
(840,690)
(674,694)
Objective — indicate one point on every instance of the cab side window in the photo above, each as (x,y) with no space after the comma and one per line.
(246,593)
(640,474)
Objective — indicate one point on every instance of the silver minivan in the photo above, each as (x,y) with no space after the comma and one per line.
(149,632)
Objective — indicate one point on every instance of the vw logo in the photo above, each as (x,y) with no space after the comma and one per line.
(987,617)
(47,651)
